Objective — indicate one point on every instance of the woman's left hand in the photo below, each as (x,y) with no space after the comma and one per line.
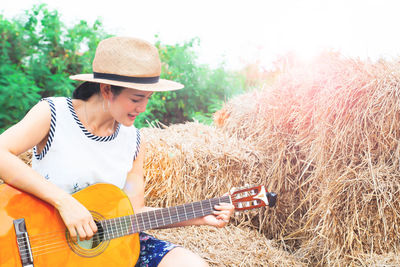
(221,215)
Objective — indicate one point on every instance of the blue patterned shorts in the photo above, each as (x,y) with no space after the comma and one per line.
(152,250)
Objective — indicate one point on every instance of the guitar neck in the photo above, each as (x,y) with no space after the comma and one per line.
(121,226)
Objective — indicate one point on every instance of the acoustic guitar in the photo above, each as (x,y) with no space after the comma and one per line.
(32,232)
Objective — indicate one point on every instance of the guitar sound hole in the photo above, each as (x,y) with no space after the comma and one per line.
(93,247)
(95,240)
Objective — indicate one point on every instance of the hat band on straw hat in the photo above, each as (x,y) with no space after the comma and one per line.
(122,78)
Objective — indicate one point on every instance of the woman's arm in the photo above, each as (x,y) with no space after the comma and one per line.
(33,129)
(134,188)
(30,131)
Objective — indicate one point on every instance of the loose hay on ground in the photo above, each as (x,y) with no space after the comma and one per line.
(229,246)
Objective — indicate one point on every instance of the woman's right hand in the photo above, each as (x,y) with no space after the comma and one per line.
(77,218)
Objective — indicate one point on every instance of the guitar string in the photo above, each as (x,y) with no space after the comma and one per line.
(174,217)
(58,248)
(48,233)
(53,248)
(112,222)
(50,248)
(47,236)
(120,231)
(113,227)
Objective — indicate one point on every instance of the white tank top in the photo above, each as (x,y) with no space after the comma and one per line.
(73,158)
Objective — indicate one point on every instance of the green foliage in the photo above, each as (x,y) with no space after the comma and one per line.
(14,99)
(17,93)
(205,89)
(38,53)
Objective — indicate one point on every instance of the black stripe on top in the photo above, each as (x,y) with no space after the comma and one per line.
(51,131)
(123,78)
(85,131)
(137,144)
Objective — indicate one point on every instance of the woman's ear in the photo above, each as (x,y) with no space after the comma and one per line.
(105,91)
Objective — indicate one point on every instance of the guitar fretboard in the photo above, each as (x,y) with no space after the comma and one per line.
(126,225)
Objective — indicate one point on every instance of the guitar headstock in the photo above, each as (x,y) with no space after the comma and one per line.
(253,197)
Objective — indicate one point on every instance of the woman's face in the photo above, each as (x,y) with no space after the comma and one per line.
(126,106)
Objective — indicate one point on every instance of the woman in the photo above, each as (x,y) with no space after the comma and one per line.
(91,139)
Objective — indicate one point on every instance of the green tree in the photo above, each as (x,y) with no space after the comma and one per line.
(17,91)
(38,53)
(205,89)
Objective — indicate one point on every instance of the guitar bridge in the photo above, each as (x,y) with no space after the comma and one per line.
(24,246)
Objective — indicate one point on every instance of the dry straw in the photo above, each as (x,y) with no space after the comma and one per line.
(192,161)
(168,166)
(329,132)
(230,246)
(324,136)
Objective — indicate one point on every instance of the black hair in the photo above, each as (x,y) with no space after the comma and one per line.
(87,89)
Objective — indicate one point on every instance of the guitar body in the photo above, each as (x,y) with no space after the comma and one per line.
(50,242)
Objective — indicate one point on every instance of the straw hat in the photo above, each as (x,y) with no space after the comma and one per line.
(128,62)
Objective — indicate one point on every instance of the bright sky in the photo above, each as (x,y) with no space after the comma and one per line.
(245,30)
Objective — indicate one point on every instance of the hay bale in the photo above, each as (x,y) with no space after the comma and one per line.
(190,162)
(329,133)
(168,169)
(229,246)
(355,147)
(27,157)
(266,120)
